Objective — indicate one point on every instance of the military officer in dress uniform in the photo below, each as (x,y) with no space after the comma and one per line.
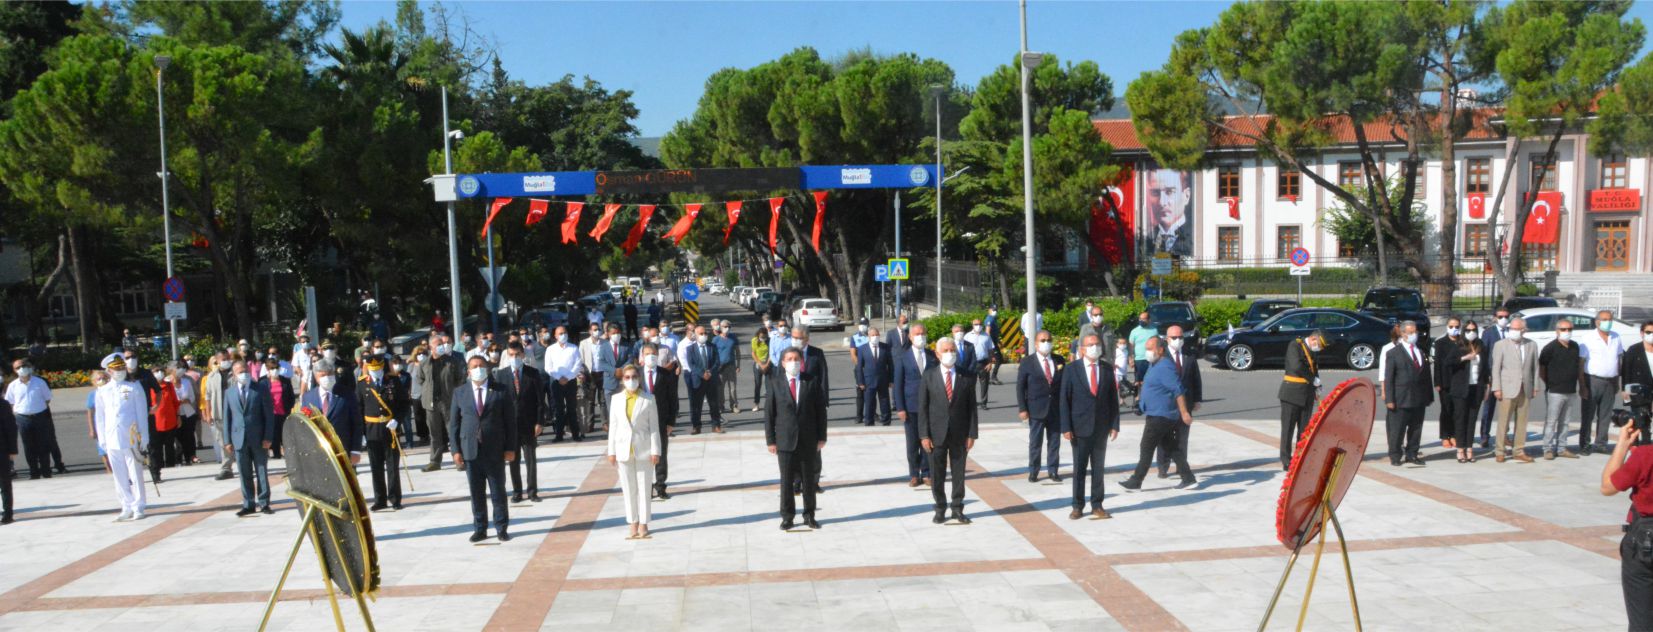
(1297,392)
(384,450)
(122,412)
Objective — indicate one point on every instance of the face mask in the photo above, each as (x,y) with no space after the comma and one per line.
(514,361)
(631,384)
(1315,346)
(791,367)
(700,338)
(1093,352)
(992,312)
(562,339)
(650,361)
(397,367)
(329,354)
(158,376)
(1648,338)
(1176,344)
(918,340)
(861,328)
(243,379)
(1153,356)
(25,372)
(1453,331)
(1096,319)
(976,329)
(768,324)
(326,382)
(260,355)
(378,351)
(479,374)
(1503,321)
(614,337)
(957,336)
(1605,325)
(421,358)
(1143,322)
(1517,334)
(948,358)
(1412,339)
(799,343)
(118,376)
(1471,335)
(1045,347)
(1564,335)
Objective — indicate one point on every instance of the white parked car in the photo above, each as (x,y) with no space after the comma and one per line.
(734,293)
(714,288)
(1541,323)
(817,313)
(752,294)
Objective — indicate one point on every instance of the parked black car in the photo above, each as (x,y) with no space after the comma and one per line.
(1352,339)
(1163,315)
(1396,304)
(1263,308)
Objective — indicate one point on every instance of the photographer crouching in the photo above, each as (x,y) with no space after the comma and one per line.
(1631,468)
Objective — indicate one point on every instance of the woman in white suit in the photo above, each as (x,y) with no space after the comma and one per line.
(634,431)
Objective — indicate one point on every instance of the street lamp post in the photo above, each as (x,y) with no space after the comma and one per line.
(1029,61)
(453,234)
(937,91)
(161,62)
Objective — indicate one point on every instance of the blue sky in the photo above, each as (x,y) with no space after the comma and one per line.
(663,51)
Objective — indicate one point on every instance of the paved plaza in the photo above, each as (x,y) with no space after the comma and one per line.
(1481,546)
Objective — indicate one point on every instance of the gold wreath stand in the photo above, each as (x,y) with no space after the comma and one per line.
(1325,514)
(307,528)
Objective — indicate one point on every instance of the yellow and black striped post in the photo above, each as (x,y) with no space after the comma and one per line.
(691,312)
(1011,337)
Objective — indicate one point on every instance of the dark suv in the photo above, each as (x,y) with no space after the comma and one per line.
(1163,315)
(1396,304)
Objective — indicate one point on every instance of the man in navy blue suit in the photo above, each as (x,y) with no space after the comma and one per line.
(335,401)
(1089,409)
(1037,383)
(872,378)
(908,381)
(250,432)
(483,423)
(967,361)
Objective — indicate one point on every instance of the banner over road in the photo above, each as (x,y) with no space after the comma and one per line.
(660,181)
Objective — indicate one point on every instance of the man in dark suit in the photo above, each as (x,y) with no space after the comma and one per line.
(1297,392)
(250,431)
(905,386)
(872,378)
(795,427)
(338,405)
(897,338)
(1407,391)
(1490,335)
(661,382)
(701,372)
(947,426)
(630,312)
(1037,382)
(483,424)
(967,352)
(611,355)
(1187,363)
(1088,407)
(525,386)
(1634,367)
(8,449)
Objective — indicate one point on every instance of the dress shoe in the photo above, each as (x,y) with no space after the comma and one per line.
(1055,477)
(819,490)
(1075,514)
(1522,457)
(534,497)
(504,536)
(1100,514)
(34,477)
(1164,472)
(1412,460)
(62,470)
(940,517)
(1395,460)
(7,519)
(225,476)
(717,429)
(786,524)
(48,474)
(1187,483)
(927,481)
(431,467)
(1566,454)
(662,495)
(959,516)
(377,507)
(516,498)
(1585,450)
(1133,485)
(694,431)
(244,512)
(1033,477)
(266,510)
(809,521)
(913,482)
(478,536)
(556,439)
(396,506)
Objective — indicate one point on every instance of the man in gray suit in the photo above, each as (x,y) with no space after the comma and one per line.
(1514,377)
(249,430)
(443,372)
(947,426)
(701,372)
(483,423)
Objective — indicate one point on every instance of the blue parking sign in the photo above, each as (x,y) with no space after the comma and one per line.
(881,273)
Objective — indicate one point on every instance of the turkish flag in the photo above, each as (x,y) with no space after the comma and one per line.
(609,210)
(1544,221)
(1477,206)
(774,220)
(820,217)
(499,203)
(681,228)
(571,222)
(1111,217)
(1234,208)
(733,209)
(645,212)
(536,212)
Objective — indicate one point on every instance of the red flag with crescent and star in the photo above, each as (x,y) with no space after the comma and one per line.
(499,203)
(1234,208)
(609,210)
(644,212)
(681,228)
(1477,206)
(536,212)
(820,218)
(733,208)
(571,222)
(1544,221)
(774,220)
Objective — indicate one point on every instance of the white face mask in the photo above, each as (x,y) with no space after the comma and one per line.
(493,356)
(948,358)
(1412,338)
(444,349)
(1471,335)
(957,336)
(1453,331)
(421,357)
(631,384)
(1315,346)
(614,337)
(479,374)
(1647,338)
(243,379)
(562,339)
(329,354)
(1503,321)
(1517,334)
(1045,347)
(398,367)
(25,372)
(1153,356)
(118,376)
(326,382)
(1096,319)
(861,328)
(650,361)
(1176,344)
(1093,352)
(975,329)
(514,361)
(791,367)
(1564,335)
(701,338)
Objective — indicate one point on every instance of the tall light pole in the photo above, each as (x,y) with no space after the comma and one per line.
(937,91)
(897,252)
(161,62)
(453,234)
(1028,61)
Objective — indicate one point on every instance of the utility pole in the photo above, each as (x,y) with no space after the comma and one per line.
(453,234)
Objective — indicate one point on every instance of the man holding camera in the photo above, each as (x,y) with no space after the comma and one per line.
(1631,469)
(1636,367)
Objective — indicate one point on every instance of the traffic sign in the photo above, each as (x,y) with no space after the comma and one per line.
(499,273)
(691,292)
(691,312)
(881,273)
(898,269)
(1303,271)
(1162,265)
(173,290)
(176,311)
(1300,262)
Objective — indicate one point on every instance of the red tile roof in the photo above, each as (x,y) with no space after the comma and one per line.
(1121,133)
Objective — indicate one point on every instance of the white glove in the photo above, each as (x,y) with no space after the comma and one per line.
(391,425)
(1317,382)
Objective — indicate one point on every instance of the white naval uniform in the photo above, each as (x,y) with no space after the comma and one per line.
(122,409)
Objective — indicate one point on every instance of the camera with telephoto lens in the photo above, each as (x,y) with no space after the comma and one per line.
(1640,413)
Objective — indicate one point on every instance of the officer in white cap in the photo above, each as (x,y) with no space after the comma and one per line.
(122,414)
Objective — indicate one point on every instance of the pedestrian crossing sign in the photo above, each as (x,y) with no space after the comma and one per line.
(898,269)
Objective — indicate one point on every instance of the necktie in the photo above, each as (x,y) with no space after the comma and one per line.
(1413,351)
(803,362)
(326,400)
(651,382)
(949,386)
(1046,363)
(792,383)
(516,380)
(479,401)
(1092,366)
(1177,359)
(875,352)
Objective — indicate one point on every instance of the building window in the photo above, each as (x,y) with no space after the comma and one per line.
(1228,243)
(1478,176)
(1475,240)
(1228,182)
(134,299)
(1549,178)
(1349,175)
(1538,257)
(1289,238)
(61,306)
(1615,172)
(1289,185)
